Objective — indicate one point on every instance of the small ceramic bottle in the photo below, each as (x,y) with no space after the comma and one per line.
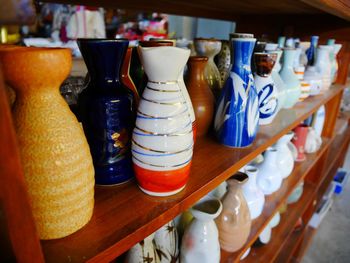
(314,79)
(200,242)
(210,47)
(267,92)
(332,57)
(323,65)
(201,96)
(252,193)
(285,159)
(166,242)
(311,51)
(269,176)
(281,41)
(319,119)
(291,81)
(223,60)
(142,252)
(234,222)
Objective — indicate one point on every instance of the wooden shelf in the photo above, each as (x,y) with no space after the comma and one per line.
(276,200)
(123,215)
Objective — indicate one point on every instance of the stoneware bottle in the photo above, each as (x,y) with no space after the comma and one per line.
(267,92)
(106,110)
(201,96)
(162,142)
(237,114)
(252,193)
(323,65)
(55,156)
(291,81)
(200,242)
(143,252)
(311,51)
(210,47)
(234,222)
(285,159)
(269,176)
(223,60)
(167,243)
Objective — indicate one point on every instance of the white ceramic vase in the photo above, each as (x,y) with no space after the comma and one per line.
(269,176)
(319,119)
(314,79)
(323,65)
(285,159)
(252,193)
(166,241)
(200,242)
(144,251)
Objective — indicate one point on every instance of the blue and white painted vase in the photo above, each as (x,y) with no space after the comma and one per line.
(267,92)
(311,51)
(237,113)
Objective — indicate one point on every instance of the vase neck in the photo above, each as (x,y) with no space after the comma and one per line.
(196,67)
(288,59)
(242,50)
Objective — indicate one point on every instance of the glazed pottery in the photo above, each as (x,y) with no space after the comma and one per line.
(337,48)
(267,92)
(319,119)
(200,242)
(303,57)
(167,43)
(269,176)
(223,60)
(210,48)
(299,69)
(275,220)
(252,193)
(332,57)
(55,156)
(143,252)
(296,194)
(314,79)
(313,141)
(264,237)
(106,110)
(289,78)
(201,96)
(237,113)
(234,222)
(162,142)
(166,242)
(281,41)
(311,51)
(299,139)
(323,65)
(285,159)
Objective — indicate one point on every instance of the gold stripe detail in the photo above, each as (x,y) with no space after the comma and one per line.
(165,103)
(162,166)
(170,82)
(162,90)
(157,151)
(166,134)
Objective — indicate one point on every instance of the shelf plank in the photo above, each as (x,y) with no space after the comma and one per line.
(123,215)
(276,200)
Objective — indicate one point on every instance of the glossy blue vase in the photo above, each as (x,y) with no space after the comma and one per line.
(106,110)
(237,113)
(311,51)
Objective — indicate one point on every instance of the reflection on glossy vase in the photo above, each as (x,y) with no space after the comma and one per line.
(200,94)
(162,139)
(55,155)
(237,113)
(210,47)
(167,241)
(200,242)
(267,92)
(223,60)
(106,108)
(143,252)
(234,222)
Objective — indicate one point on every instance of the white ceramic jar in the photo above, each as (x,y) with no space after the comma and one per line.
(285,159)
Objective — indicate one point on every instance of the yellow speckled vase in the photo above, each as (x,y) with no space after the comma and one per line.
(54,152)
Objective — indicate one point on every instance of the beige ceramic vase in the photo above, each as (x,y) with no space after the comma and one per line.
(55,155)
(234,222)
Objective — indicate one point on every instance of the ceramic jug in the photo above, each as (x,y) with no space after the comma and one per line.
(237,113)
(285,159)
(162,142)
(252,193)
(167,241)
(200,242)
(223,60)
(323,66)
(267,92)
(210,47)
(314,79)
(106,110)
(201,96)
(55,155)
(311,51)
(142,252)
(291,81)
(313,141)
(234,222)
(269,176)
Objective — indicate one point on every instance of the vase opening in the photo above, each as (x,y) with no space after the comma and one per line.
(239,178)
(208,206)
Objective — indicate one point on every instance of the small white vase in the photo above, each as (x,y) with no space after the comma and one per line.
(200,242)
(285,160)
(314,79)
(166,242)
(252,193)
(313,141)
(144,251)
(269,176)
(319,119)
(323,65)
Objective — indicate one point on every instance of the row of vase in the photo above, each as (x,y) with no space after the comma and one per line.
(124,134)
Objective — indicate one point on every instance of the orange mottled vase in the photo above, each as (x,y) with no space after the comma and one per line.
(54,152)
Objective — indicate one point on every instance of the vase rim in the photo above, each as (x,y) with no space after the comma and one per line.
(102,40)
(241,35)
(207,39)
(34,49)
(243,39)
(198,58)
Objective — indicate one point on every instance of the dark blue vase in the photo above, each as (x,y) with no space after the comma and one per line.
(311,51)
(106,110)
